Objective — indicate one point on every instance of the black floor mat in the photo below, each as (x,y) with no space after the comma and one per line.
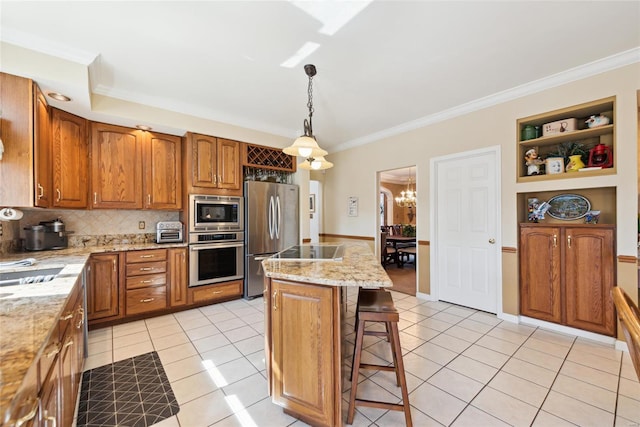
(134,392)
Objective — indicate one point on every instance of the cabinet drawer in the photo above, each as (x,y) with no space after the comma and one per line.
(146,268)
(68,313)
(146,256)
(145,280)
(49,354)
(146,299)
(215,292)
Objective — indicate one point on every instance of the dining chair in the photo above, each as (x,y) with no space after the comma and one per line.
(388,253)
(629,316)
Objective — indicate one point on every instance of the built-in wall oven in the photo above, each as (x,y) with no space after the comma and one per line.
(215,257)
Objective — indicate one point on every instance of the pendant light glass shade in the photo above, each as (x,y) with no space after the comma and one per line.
(315,164)
(305,146)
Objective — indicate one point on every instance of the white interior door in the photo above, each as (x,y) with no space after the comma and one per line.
(466,225)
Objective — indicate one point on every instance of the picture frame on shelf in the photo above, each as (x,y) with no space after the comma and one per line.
(312,203)
(554,165)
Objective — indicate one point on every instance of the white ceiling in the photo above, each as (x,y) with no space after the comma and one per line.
(383,67)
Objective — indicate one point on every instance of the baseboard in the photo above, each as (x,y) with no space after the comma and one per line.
(425,297)
(568,330)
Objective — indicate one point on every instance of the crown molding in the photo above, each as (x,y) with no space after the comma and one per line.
(48,47)
(599,66)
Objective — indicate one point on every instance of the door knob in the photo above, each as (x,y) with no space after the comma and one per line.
(492,241)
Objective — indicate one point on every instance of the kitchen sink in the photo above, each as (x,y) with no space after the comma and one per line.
(29,276)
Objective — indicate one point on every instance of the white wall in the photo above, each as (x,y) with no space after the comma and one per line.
(495,125)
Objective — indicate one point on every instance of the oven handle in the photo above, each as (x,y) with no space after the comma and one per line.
(200,247)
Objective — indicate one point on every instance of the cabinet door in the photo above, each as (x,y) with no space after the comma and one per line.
(163,176)
(68,378)
(540,279)
(70,160)
(49,413)
(203,154)
(303,345)
(589,278)
(116,166)
(102,286)
(229,176)
(41,150)
(178,276)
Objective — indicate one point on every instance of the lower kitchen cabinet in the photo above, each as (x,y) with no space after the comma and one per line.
(102,286)
(178,276)
(567,273)
(215,292)
(146,281)
(304,362)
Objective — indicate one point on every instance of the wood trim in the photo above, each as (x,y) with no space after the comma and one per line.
(424,243)
(308,240)
(342,236)
(509,250)
(627,258)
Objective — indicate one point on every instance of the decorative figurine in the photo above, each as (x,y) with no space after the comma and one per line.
(533,162)
(597,121)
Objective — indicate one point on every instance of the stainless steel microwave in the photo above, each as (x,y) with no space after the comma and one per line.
(216,213)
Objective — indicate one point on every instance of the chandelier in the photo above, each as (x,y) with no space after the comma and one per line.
(306,145)
(407,197)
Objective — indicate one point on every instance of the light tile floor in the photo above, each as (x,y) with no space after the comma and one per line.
(463,368)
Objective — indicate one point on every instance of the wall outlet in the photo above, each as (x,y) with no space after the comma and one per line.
(141,225)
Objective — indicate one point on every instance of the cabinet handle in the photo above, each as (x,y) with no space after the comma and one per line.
(215,179)
(275,300)
(41,193)
(53,352)
(114,264)
(217,292)
(569,241)
(145,281)
(220,179)
(29,415)
(95,198)
(145,269)
(147,300)
(48,418)
(68,343)
(555,241)
(59,194)
(147,256)
(67,316)
(148,199)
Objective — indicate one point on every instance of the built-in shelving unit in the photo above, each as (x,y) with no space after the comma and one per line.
(587,137)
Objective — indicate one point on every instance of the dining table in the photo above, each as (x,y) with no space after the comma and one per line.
(403,241)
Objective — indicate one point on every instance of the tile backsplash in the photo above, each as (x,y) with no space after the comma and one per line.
(89,223)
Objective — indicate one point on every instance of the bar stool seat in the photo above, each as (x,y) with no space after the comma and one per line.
(377,306)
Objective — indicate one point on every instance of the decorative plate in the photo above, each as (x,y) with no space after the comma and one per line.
(568,206)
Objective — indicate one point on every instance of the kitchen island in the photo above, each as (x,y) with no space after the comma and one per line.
(305,328)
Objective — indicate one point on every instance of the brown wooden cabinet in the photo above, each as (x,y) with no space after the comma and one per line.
(70,149)
(133,169)
(102,286)
(212,165)
(303,322)
(567,273)
(25,130)
(178,276)
(215,293)
(146,281)
(42,150)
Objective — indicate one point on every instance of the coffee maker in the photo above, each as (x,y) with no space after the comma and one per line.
(46,235)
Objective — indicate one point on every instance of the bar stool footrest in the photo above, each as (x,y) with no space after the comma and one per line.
(377,367)
(380,405)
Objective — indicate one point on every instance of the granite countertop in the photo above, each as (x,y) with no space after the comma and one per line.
(28,312)
(359,267)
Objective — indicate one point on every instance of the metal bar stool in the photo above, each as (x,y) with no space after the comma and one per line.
(377,306)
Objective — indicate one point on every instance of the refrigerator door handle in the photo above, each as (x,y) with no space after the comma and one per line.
(271,217)
(278,217)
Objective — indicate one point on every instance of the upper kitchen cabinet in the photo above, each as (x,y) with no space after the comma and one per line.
(212,165)
(70,149)
(134,169)
(25,131)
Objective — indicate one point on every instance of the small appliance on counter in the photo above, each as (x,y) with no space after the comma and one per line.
(46,235)
(169,232)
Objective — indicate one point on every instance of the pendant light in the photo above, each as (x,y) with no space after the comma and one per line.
(306,145)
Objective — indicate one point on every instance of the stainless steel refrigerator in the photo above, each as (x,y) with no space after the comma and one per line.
(271,225)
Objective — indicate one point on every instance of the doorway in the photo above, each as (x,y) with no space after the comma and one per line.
(398,219)
(465,231)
